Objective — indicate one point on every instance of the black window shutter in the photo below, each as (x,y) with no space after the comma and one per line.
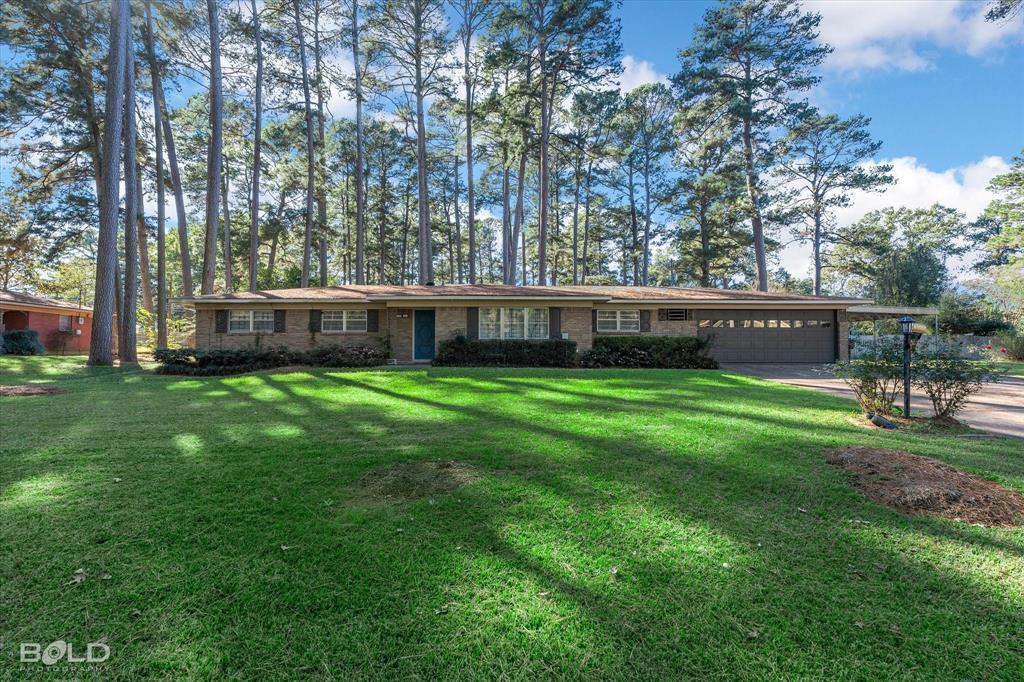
(645,320)
(555,322)
(314,320)
(372,321)
(279,321)
(472,323)
(593,320)
(221,321)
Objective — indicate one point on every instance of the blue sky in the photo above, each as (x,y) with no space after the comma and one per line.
(944,90)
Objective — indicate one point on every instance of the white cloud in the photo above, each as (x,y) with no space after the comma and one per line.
(637,72)
(964,188)
(902,35)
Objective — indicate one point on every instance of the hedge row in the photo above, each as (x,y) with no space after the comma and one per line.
(21,342)
(463,352)
(669,352)
(185,361)
(666,352)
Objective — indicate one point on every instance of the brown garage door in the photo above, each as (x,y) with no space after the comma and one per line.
(769,335)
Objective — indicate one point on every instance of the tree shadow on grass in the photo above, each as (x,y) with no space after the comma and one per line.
(559,508)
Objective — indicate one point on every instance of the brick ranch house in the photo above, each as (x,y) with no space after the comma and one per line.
(747,326)
(62,327)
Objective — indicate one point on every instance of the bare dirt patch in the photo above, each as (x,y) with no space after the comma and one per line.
(410,481)
(30,389)
(921,486)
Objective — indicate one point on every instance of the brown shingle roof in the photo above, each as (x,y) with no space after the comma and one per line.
(9,298)
(595,293)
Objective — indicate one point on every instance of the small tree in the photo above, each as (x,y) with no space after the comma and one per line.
(949,379)
(875,378)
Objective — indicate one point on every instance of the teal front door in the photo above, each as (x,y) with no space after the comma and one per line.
(423,335)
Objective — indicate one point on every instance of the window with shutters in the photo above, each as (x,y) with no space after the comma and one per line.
(248,321)
(676,315)
(343,321)
(618,320)
(514,323)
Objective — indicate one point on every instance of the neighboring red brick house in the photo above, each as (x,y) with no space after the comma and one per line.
(63,327)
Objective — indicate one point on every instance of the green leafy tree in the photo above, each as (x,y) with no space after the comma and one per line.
(825,162)
(752,60)
(1003,225)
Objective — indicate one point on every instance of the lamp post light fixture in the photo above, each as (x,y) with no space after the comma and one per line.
(906,326)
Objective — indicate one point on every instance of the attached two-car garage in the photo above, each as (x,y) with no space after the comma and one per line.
(770,335)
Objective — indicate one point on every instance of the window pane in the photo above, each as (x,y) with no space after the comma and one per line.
(238,321)
(718,323)
(538,326)
(797,324)
(355,320)
(811,323)
(64,323)
(826,323)
(773,324)
(704,324)
(629,320)
(490,323)
(513,322)
(784,324)
(332,320)
(263,320)
(607,321)
(758,324)
(730,323)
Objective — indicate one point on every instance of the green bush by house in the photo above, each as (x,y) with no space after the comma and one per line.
(463,352)
(186,361)
(22,342)
(663,352)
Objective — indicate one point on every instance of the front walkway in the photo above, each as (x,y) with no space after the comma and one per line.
(998,408)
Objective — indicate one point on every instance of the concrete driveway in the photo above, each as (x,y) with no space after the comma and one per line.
(998,408)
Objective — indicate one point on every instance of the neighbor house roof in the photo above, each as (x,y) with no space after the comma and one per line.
(600,294)
(14,299)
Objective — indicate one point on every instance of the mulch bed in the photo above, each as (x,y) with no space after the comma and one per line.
(30,389)
(411,481)
(921,486)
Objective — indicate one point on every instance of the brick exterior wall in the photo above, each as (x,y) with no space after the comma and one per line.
(396,327)
(47,325)
(296,334)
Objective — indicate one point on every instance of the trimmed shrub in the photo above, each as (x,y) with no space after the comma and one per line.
(948,378)
(463,352)
(188,362)
(876,378)
(23,342)
(664,352)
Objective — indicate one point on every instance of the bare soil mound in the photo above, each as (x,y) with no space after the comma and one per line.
(30,389)
(411,481)
(921,486)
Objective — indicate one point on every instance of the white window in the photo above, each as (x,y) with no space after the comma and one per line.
(618,321)
(343,321)
(244,321)
(64,323)
(513,323)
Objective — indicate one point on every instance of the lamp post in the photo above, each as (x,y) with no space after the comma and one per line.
(906,326)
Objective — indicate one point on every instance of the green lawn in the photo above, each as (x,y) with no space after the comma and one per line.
(1014,369)
(626,524)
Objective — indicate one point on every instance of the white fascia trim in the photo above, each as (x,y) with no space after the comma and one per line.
(737,302)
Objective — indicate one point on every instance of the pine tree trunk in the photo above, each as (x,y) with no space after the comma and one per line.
(187,289)
(321,192)
(161,237)
(100,352)
(817,251)
(360,217)
(307,242)
(214,153)
(755,210)
(517,225)
(229,283)
(142,239)
(128,323)
(458,226)
(645,272)
(470,208)
(705,247)
(586,223)
(254,201)
(542,168)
